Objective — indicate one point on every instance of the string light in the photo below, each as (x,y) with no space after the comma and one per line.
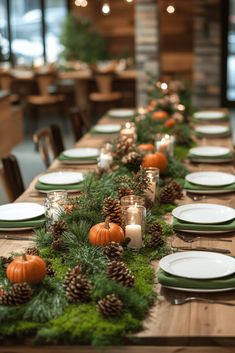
(170,9)
(129,0)
(164,86)
(82,3)
(106,8)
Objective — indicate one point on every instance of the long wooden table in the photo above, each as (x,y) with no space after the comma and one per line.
(170,328)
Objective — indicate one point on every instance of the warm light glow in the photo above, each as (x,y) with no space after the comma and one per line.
(106,9)
(170,9)
(181,107)
(164,85)
(129,0)
(82,3)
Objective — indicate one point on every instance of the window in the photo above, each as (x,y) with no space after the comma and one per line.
(231,53)
(34,27)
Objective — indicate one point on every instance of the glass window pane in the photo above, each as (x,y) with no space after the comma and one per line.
(26,28)
(231,53)
(4,41)
(55,12)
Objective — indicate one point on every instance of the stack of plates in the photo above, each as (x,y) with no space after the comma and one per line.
(210,154)
(209,183)
(83,155)
(121,113)
(106,129)
(210,115)
(212,131)
(204,218)
(197,271)
(69,181)
(21,216)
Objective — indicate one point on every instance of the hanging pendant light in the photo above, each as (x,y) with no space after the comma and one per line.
(105,8)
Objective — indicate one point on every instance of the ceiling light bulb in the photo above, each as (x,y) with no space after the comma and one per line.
(170,9)
(106,9)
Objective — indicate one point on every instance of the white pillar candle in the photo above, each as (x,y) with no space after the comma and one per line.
(105,161)
(133,232)
(133,214)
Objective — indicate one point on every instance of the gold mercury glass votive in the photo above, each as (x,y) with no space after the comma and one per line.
(54,204)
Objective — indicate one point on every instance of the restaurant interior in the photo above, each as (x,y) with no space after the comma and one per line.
(117,175)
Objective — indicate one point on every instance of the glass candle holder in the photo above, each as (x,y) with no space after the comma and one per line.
(153,175)
(165,143)
(129,130)
(134,225)
(106,157)
(54,204)
(132,200)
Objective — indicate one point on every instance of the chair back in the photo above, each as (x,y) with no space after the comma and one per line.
(44,80)
(5,81)
(79,121)
(49,143)
(12,178)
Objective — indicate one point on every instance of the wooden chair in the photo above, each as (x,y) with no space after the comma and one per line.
(105,98)
(12,178)
(6,82)
(49,143)
(79,121)
(45,98)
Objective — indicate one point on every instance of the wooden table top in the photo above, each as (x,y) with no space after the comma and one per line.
(190,324)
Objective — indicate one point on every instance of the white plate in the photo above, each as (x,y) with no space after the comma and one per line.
(209,151)
(20,211)
(61,178)
(204,213)
(211,178)
(209,115)
(107,128)
(121,113)
(198,264)
(199,290)
(211,161)
(212,192)
(212,129)
(82,152)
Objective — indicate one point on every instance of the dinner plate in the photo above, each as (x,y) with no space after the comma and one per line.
(61,178)
(212,129)
(107,128)
(198,264)
(211,178)
(82,152)
(209,115)
(20,211)
(121,113)
(199,290)
(209,151)
(204,213)
(209,192)
(211,160)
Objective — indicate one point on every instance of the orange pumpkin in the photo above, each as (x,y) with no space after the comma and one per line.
(146,147)
(159,115)
(103,233)
(156,160)
(26,268)
(170,123)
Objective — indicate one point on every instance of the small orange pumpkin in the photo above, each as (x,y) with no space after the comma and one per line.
(146,147)
(26,268)
(170,123)
(156,160)
(103,233)
(159,115)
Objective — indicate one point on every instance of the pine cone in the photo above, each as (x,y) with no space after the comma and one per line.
(69,208)
(71,273)
(132,159)
(111,305)
(49,269)
(156,235)
(155,228)
(58,245)
(58,228)
(124,191)
(78,289)
(112,209)
(6,260)
(118,272)
(170,192)
(32,251)
(124,146)
(19,293)
(113,251)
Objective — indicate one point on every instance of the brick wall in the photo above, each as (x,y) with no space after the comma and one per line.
(207,53)
(146,44)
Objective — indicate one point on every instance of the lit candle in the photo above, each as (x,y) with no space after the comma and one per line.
(133,214)
(105,161)
(129,130)
(133,232)
(165,144)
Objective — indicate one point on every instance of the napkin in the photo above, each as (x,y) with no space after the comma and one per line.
(31,223)
(223,118)
(224,156)
(50,187)
(174,281)
(93,131)
(62,158)
(223,134)
(181,225)
(191,186)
